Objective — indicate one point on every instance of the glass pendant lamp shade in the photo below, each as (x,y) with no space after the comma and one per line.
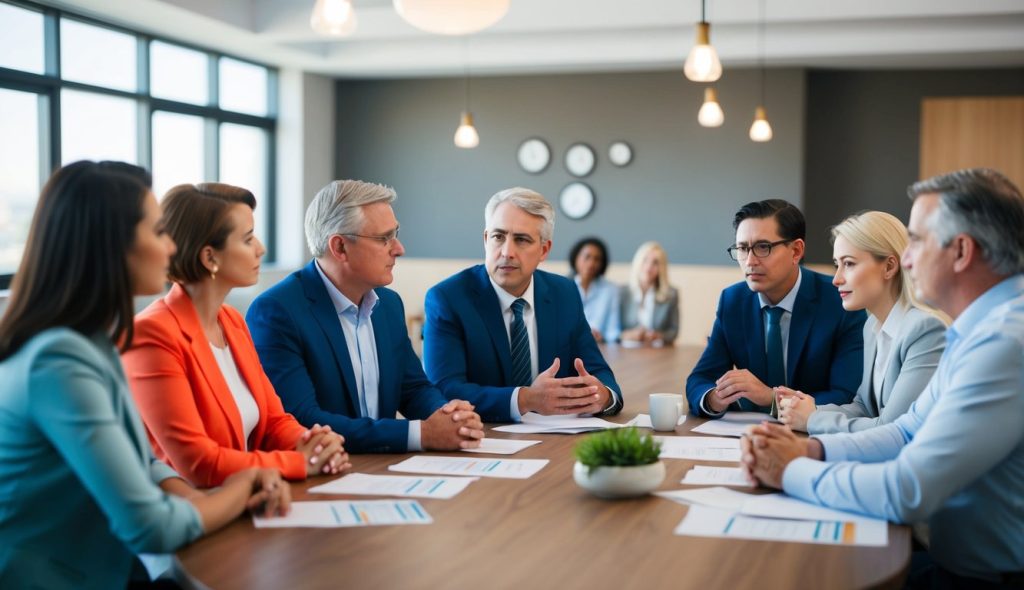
(451,17)
(710,114)
(466,135)
(702,65)
(336,18)
(760,130)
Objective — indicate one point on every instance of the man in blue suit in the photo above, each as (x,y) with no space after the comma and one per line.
(785,326)
(333,340)
(512,339)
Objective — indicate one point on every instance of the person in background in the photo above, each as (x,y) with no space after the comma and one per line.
(588,260)
(80,490)
(903,341)
(209,408)
(650,305)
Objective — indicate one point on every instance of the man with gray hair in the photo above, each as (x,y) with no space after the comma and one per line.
(333,340)
(956,458)
(512,339)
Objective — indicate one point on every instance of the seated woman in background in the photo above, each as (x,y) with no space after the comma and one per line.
(209,407)
(650,306)
(588,260)
(902,340)
(80,490)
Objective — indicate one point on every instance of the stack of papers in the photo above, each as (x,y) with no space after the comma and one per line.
(501,446)
(569,424)
(644,421)
(504,468)
(721,512)
(395,485)
(702,475)
(345,513)
(699,448)
(733,423)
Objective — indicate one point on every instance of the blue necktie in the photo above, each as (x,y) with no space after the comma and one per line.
(520,344)
(773,350)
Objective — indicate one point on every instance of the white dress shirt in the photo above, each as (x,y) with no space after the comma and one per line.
(884,337)
(247,407)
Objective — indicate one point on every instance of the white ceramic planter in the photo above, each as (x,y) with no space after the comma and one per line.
(619,482)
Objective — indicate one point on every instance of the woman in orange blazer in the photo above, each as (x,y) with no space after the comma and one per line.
(193,370)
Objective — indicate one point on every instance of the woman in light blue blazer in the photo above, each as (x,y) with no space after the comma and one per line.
(650,305)
(80,491)
(902,340)
(588,260)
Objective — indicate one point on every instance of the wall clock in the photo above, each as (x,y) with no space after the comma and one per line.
(534,155)
(576,200)
(579,159)
(620,153)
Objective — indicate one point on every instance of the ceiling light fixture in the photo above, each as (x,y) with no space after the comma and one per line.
(760,129)
(702,65)
(710,114)
(466,135)
(336,18)
(451,17)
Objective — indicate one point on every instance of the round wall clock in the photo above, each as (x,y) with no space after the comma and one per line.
(534,155)
(579,159)
(620,153)
(576,200)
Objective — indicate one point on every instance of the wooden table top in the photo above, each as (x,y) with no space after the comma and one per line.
(542,532)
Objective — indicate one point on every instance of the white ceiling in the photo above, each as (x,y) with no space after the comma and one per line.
(594,35)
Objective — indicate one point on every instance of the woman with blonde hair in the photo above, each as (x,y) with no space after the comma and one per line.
(902,339)
(650,305)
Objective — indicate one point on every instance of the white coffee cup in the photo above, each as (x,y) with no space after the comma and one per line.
(666,408)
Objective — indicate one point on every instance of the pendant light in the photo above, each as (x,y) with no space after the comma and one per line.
(336,18)
(710,114)
(760,129)
(466,136)
(702,65)
(451,17)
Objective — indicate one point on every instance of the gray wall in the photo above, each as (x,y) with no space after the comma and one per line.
(863,133)
(682,188)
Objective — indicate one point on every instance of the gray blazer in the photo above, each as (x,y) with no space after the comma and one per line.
(919,342)
(666,313)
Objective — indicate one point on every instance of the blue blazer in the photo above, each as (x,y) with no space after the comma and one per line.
(302,348)
(824,357)
(466,346)
(79,486)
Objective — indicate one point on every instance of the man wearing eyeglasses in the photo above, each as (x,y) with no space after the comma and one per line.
(783,326)
(333,340)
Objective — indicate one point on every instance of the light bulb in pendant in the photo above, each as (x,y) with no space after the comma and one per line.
(760,130)
(710,114)
(703,65)
(333,17)
(466,135)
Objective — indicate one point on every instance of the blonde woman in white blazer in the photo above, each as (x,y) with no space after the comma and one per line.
(902,340)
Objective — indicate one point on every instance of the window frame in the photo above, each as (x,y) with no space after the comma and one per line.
(49,84)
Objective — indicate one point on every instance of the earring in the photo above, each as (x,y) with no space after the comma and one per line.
(213,273)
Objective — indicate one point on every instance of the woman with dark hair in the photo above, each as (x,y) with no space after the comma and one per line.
(80,490)
(208,405)
(588,260)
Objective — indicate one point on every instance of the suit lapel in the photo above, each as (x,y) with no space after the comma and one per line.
(800,322)
(382,330)
(869,366)
(545,313)
(753,326)
(489,309)
(326,316)
(180,306)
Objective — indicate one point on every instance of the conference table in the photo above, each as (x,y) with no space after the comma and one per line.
(541,532)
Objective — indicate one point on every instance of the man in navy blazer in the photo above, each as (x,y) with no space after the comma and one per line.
(474,318)
(333,340)
(819,346)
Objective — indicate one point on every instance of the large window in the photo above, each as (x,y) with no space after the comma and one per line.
(73,88)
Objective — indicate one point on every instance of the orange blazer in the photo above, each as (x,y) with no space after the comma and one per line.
(191,417)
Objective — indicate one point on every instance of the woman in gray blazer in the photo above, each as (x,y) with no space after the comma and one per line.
(649,305)
(80,490)
(902,340)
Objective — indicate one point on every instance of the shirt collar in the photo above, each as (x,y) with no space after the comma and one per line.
(790,298)
(891,326)
(982,306)
(342,304)
(506,299)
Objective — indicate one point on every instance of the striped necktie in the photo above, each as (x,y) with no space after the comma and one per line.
(520,345)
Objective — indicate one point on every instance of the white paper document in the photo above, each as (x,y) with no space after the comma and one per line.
(699,448)
(501,446)
(347,513)
(733,423)
(707,521)
(783,506)
(722,476)
(395,485)
(504,468)
(717,497)
(533,423)
(644,421)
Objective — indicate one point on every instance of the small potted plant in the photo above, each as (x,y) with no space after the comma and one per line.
(618,463)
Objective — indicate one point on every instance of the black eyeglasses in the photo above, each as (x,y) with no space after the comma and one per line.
(385,239)
(760,249)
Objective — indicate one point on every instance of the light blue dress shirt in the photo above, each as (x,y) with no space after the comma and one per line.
(357,325)
(956,458)
(601,306)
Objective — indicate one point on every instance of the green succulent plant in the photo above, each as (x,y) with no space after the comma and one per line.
(617,447)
